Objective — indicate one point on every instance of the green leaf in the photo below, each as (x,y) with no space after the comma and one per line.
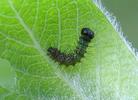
(29,27)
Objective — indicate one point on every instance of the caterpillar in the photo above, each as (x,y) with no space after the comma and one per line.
(71,59)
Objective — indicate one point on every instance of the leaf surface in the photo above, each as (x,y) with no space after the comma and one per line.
(29,27)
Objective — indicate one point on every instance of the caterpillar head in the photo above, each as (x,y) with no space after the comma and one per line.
(87,34)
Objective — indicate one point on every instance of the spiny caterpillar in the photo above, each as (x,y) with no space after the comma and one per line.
(71,59)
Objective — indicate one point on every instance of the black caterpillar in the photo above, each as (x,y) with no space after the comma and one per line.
(71,59)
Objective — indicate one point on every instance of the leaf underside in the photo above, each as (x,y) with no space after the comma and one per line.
(28,27)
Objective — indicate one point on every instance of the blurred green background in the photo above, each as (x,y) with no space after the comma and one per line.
(126,12)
